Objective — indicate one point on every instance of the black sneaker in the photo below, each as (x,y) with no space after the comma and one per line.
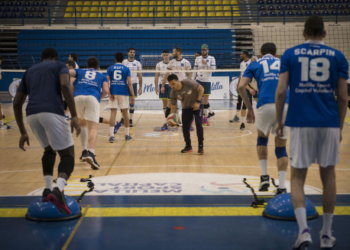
(187,149)
(212,114)
(264,183)
(235,119)
(179,124)
(122,121)
(130,123)
(128,137)
(90,158)
(83,154)
(280,191)
(200,149)
(57,198)
(242,126)
(111,139)
(46,192)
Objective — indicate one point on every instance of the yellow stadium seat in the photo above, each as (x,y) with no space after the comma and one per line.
(104,9)
(87,9)
(160,15)
(226,2)
(227,8)
(87,3)
(201,8)
(144,15)
(151,9)
(135,9)
(201,3)
(218,8)
(153,3)
(210,8)
(186,14)
(135,15)
(93,15)
(111,3)
(169,14)
(209,2)
(177,3)
(67,15)
(69,9)
(96,3)
(94,9)
(127,8)
(128,3)
(78,15)
(168,3)
(194,14)
(120,9)
(176,8)
(234,2)
(219,14)
(136,3)
(176,14)
(120,3)
(71,4)
(194,8)
(160,9)
(111,9)
(104,3)
(202,14)
(110,15)
(236,14)
(193,3)
(79,3)
(185,8)
(144,3)
(144,9)
(217,2)
(126,15)
(235,8)
(84,15)
(78,9)
(160,3)
(150,14)
(185,3)
(211,14)
(104,14)
(118,15)
(227,13)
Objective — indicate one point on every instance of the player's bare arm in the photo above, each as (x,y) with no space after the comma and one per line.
(140,83)
(243,83)
(131,90)
(280,98)
(18,102)
(342,101)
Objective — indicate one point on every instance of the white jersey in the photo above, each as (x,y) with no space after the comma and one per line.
(76,65)
(161,66)
(133,66)
(244,65)
(182,64)
(198,65)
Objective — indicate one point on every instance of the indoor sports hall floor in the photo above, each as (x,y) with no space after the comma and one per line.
(148,195)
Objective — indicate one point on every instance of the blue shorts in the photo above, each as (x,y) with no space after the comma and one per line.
(134,85)
(166,94)
(206,86)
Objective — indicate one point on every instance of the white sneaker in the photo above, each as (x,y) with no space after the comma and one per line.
(327,241)
(304,240)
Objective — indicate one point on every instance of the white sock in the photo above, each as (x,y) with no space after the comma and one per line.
(92,150)
(111,131)
(164,110)
(166,120)
(1,122)
(48,181)
(205,112)
(126,131)
(300,214)
(243,119)
(327,224)
(209,109)
(263,166)
(237,112)
(61,183)
(282,179)
(84,137)
(131,115)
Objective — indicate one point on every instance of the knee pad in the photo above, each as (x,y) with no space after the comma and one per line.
(167,112)
(66,165)
(48,162)
(281,152)
(206,106)
(262,141)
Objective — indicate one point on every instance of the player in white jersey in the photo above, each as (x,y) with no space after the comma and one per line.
(178,63)
(133,65)
(205,62)
(162,66)
(244,64)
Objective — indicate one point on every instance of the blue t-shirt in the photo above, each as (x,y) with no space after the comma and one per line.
(42,84)
(314,69)
(118,74)
(89,82)
(266,72)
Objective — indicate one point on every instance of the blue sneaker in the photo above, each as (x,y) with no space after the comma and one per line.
(111,139)
(128,137)
(90,158)
(83,154)
(165,127)
(116,127)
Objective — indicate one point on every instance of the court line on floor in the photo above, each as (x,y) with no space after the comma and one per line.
(75,228)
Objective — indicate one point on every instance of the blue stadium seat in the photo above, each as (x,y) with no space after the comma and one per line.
(44,4)
(289,7)
(314,7)
(18,4)
(264,13)
(272,13)
(341,7)
(278,2)
(6,9)
(281,13)
(306,7)
(20,15)
(13,15)
(9,3)
(331,7)
(41,9)
(271,7)
(334,12)
(279,7)
(262,7)
(307,13)
(286,1)
(15,9)
(317,13)
(338,1)
(346,1)
(325,13)
(32,9)
(290,13)
(261,2)
(343,13)
(347,6)
(30,15)
(296,7)
(299,13)
(295,1)
(25,9)
(329,1)
(323,7)
(35,4)
(3,15)
(269,2)
(39,15)
(303,2)
(2,4)
(26,4)
(320,1)
(312,1)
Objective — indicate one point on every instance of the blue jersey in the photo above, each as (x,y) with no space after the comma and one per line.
(118,74)
(313,75)
(89,82)
(266,73)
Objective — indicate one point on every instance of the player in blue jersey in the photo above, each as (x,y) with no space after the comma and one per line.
(87,96)
(312,71)
(119,78)
(266,72)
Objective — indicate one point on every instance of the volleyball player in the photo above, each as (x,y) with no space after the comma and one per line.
(74,57)
(2,116)
(87,97)
(44,83)
(133,65)
(70,65)
(312,71)
(266,71)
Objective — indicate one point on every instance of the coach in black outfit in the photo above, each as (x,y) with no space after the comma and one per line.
(190,93)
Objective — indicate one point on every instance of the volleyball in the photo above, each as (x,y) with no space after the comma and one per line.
(173,119)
